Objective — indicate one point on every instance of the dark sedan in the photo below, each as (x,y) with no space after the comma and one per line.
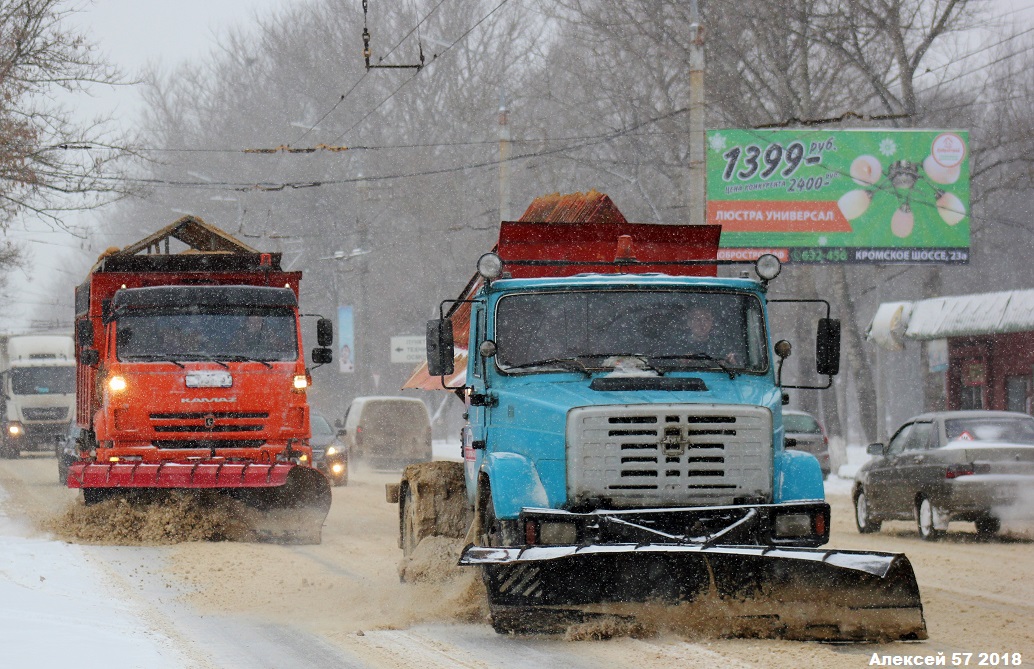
(329,454)
(975,466)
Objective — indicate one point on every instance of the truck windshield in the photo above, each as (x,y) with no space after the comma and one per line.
(43,380)
(207,333)
(663,329)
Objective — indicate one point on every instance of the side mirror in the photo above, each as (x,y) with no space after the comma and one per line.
(84,333)
(827,346)
(322,356)
(325,332)
(89,356)
(440,354)
(789,442)
(338,424)
(875,449)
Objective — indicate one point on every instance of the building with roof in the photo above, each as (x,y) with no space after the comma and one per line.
(982,343)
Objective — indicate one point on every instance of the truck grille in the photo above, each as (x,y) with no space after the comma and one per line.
(669,454)
(218,444)
(45,413)
(202,423)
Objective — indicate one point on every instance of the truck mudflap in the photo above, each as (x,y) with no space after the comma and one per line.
(283,502)
(784,592)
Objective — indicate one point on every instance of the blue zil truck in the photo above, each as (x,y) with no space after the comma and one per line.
(623,451)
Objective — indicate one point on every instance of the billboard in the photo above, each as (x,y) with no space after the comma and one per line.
(346,340)
(841,196)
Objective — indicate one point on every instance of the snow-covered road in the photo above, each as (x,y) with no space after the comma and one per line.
(58,609)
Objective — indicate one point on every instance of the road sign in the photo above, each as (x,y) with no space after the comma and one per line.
(408,349)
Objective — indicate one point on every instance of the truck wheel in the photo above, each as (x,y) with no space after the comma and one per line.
(864,522)
(988,526)
(929,520)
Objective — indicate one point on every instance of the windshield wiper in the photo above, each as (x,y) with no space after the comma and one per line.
(721,364)
(208,358)
(244,358)
(642,357)
(158,357)
(572,364)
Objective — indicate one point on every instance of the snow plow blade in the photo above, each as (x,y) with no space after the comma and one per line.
(285,503)
(788,593)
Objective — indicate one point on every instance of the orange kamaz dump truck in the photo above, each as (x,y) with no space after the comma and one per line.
(191,375)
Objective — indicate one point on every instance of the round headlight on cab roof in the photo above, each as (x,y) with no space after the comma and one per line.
(768,267)
(490,266)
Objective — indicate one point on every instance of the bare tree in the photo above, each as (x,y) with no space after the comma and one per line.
(51,162)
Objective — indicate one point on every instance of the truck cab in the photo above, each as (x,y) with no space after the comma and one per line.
(38,380)
(627,391)
(595,396)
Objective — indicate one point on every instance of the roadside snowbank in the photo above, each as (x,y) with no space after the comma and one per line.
(57,610)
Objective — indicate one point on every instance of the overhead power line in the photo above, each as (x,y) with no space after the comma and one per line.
(434,58)
(577,143)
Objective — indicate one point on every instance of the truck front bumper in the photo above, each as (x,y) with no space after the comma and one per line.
(790,524)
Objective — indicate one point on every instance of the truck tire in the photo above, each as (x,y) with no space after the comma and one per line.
(8,450)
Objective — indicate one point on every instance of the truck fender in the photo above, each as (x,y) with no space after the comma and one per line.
(515,484)
(798,476)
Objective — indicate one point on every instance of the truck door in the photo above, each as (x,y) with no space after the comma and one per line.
(475,432)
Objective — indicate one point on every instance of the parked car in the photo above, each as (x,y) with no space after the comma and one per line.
(329,453)
(803,432)
(388,432)
(66,451)
(949,466)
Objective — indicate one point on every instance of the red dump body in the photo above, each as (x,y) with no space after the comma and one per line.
(169,418)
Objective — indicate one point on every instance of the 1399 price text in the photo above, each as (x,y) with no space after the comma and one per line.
(766,162)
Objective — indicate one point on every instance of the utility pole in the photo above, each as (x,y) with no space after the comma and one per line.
(504,159)
(697,137)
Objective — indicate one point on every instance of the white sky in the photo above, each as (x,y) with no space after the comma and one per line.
(134,33)
(130,34)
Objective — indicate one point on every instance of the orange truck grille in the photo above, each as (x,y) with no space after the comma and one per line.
(203,424)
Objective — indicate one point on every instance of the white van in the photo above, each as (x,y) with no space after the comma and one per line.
(388,432)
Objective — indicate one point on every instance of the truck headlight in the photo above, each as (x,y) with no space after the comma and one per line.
(337,468)
(301,382)
(331,450)
(557,534)
(15,429)
(490,266)
(117,384)
(793,525)
(767,267)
